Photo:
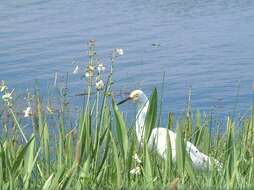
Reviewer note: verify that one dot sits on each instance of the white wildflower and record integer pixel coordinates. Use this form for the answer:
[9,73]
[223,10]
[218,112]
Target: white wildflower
[99,85]
[101,67]
[136,171]
[28,112]
[98,77]
[89,71]
[6,97]
[50,109]
[3,88]
[89,74]
[119,51]
[76,70]
[90,68]
[136,158]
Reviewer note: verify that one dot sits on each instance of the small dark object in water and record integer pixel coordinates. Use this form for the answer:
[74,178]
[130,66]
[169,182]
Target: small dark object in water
[156,45]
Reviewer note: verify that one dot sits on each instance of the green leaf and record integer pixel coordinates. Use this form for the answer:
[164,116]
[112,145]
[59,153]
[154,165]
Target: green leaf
[168,161]
[48,182]
[148,169]
[203,141]
[131,152]
[189,168]
[230,151]
[107,146]
[117,163]
[151,115]
[170,120]
[68,178]
[84,172]
[197,128]
[21,155]
[180,150]
[57,178]
[121,131]
[29,161]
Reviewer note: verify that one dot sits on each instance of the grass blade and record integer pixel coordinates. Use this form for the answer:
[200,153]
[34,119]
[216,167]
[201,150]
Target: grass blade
[121,131]
[150,119]
[180,151]
[117,163]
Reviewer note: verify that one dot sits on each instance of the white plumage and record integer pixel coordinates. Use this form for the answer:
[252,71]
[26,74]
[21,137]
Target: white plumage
[159,139]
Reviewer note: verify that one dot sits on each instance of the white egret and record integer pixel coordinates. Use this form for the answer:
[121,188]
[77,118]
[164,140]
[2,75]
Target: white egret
[158,139]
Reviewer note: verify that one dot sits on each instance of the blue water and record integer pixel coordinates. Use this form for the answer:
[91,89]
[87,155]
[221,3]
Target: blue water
[208,45]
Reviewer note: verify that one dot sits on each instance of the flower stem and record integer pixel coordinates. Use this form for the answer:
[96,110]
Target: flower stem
[17,123]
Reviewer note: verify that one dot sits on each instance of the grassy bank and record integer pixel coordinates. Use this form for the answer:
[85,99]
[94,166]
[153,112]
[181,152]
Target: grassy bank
[101,152]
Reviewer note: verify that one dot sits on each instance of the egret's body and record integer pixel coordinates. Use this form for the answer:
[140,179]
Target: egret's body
[158,140]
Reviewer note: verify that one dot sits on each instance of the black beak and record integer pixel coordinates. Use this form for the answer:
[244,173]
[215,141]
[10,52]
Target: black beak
[125,100]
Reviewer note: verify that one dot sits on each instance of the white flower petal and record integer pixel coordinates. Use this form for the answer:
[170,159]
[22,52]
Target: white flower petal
[89,74]
[101,67]
[119,51]
[99,85]
[7,97]
[28,112]
[3,88]
[135,171]
[136,158]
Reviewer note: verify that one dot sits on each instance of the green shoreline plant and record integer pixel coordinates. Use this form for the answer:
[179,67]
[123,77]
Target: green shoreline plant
[102,152]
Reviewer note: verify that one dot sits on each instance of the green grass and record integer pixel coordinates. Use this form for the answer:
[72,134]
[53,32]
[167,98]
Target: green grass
[98,151]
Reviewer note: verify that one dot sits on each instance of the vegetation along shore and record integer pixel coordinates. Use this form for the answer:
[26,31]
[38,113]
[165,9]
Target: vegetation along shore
[40,149]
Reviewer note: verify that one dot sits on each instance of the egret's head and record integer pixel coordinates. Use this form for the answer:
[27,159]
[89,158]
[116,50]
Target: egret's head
[137,96]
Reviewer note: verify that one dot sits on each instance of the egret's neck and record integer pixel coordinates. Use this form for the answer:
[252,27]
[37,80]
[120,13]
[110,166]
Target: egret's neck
[142,106]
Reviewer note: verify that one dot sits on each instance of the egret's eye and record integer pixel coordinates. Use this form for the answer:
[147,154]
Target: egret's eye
[134,94]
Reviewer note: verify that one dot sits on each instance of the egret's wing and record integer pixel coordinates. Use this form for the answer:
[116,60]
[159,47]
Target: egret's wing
[199,159]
